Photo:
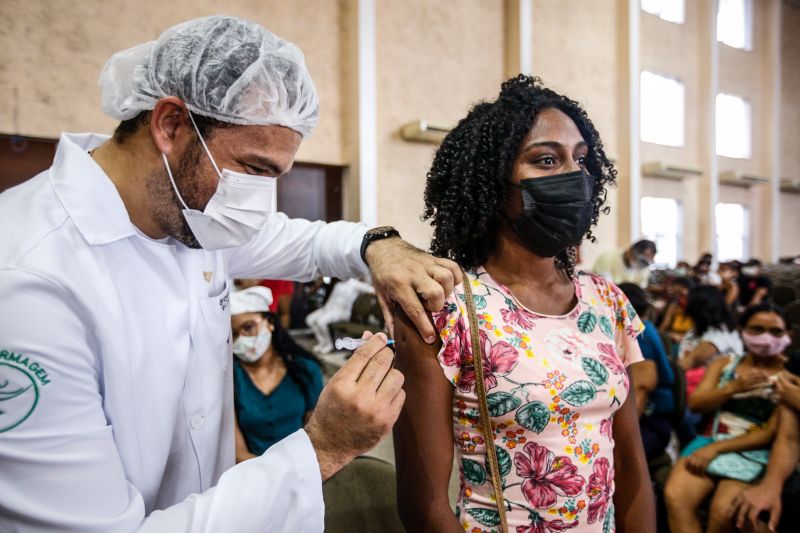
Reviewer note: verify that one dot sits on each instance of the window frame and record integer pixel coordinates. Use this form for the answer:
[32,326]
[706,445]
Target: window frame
[748,26]
[679,143]
[678,235]
[745,237]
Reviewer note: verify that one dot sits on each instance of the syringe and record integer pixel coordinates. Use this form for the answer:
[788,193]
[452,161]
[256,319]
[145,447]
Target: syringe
[349,343]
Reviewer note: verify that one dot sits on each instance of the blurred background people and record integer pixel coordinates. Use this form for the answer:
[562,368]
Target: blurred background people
[713,331]
[338,307]
[653,379]
[754,286]
[276,382]
[675,321]
[631,265]
[737,390]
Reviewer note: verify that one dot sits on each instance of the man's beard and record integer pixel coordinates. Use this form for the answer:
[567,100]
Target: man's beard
[167,207]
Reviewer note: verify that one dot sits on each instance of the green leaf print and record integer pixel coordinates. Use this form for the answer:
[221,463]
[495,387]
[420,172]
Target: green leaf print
[486,517]
[579,393]
[501,403]
[480,301]
[606,327]
[533,416]
[595,370]
[503,461]
[608,523]
[473,471]
[587,321]
[631,311]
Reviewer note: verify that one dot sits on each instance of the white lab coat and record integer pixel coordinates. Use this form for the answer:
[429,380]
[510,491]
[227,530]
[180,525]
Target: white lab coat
[115,349]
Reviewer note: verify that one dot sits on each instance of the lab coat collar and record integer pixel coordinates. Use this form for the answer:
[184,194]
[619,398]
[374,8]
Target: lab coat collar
[89,196]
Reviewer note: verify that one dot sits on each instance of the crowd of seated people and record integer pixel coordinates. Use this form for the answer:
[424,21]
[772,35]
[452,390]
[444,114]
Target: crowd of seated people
[723,335]
[717,391]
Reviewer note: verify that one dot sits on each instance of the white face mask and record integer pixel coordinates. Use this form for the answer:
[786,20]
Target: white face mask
[250,349]
[237,211]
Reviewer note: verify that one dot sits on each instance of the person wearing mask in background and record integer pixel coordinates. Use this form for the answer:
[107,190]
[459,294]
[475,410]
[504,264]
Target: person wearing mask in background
[337,308]
[513,189]
[276,383]
[703,275]
[728,273]
[682,269]
[773,504]
[675,322]
[653,379]
[631,265]
[713,331]
[738,391]
[754,287]
[123,414]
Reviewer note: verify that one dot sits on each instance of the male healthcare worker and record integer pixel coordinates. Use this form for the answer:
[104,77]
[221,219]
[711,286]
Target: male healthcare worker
[115,361]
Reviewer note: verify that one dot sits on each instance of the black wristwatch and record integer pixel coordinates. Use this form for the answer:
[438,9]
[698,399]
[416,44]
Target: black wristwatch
[376,234]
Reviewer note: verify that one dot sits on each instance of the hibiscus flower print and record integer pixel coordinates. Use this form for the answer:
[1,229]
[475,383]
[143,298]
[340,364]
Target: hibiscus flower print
[568,343]
[518,317]
[540,525]
[611,360]
[545,476]
[606,427]
[452,354]
[499,359]
[599,489]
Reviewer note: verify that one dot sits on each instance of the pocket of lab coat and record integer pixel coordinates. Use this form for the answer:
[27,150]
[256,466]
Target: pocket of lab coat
[215,329]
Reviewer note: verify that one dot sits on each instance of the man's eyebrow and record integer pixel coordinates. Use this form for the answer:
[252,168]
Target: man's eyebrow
[265,163]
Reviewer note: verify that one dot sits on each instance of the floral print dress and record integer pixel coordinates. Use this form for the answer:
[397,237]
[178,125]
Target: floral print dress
[553,385]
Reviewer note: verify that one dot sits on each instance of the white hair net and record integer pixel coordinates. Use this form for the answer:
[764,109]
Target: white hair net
[253,300]
[221,67]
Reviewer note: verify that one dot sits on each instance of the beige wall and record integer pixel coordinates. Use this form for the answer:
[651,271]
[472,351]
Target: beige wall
[790,129]
[54,51]
[433,62]
[574,58]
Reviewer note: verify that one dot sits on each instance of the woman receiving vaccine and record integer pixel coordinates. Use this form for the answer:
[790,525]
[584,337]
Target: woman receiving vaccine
[513,190]
[276,382]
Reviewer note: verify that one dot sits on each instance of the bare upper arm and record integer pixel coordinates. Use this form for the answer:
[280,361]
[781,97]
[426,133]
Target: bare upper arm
[645,374]
[423,434]
[699,354]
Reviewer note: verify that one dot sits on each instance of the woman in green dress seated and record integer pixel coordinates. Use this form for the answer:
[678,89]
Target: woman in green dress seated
[276,382]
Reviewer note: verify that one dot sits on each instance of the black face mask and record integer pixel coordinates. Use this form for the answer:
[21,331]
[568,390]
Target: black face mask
[558,212]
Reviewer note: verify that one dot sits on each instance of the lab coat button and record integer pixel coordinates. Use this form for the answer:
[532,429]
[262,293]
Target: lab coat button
[196,422]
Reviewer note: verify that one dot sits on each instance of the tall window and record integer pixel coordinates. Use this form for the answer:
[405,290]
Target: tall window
[661,223]
[733,126]
[669,10]
[662,119]
[733,232]
[735,23]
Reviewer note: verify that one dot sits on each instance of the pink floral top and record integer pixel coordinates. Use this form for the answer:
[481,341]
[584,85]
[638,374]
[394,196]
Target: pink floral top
[553,385]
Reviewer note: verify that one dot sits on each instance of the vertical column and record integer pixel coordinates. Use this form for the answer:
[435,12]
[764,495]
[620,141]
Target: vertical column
[367,114]
[629,166]
[708,185]
[519,37]
[359,110]
[771,220]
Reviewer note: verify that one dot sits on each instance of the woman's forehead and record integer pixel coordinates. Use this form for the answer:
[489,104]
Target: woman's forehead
[554,125]
[765,318]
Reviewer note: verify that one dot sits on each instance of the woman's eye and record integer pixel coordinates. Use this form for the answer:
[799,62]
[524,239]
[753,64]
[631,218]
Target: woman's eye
[581,161]
[547,160]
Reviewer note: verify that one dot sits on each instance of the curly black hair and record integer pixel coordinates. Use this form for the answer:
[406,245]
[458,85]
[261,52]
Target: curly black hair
[465,195]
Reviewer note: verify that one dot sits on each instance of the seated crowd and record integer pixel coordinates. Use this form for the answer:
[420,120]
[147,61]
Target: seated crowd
[717,392]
